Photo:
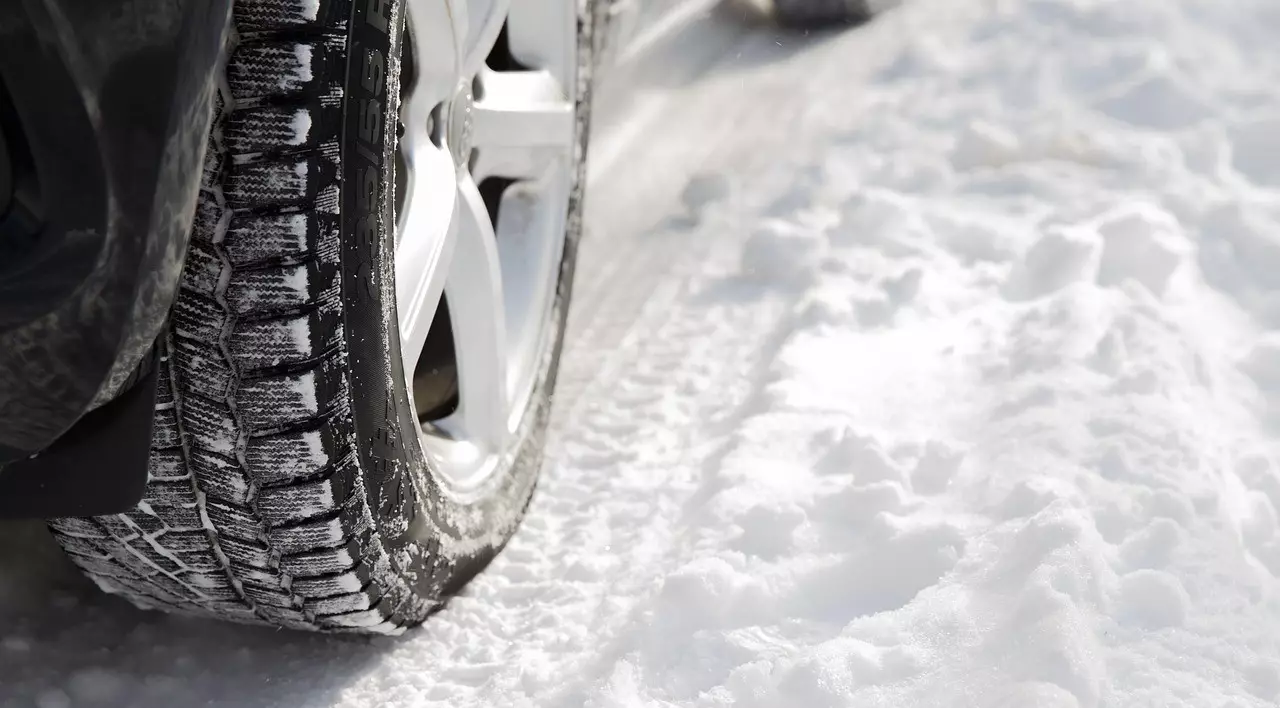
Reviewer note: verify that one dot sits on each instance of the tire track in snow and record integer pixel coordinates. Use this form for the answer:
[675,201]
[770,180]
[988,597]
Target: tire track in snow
[620,475]
[670,348]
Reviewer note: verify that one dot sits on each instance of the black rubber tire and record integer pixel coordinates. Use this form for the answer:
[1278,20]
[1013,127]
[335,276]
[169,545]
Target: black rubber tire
[814,14]
[287,487]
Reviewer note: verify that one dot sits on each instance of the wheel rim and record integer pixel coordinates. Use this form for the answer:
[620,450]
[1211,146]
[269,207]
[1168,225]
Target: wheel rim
[488,129]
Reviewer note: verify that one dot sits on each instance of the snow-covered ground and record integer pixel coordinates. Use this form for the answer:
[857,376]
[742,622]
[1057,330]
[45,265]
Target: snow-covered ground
[935,363]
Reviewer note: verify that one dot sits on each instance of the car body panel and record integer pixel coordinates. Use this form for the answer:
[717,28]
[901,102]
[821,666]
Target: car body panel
[113,99]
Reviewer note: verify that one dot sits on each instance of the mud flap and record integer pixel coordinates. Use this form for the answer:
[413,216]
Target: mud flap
[98,467]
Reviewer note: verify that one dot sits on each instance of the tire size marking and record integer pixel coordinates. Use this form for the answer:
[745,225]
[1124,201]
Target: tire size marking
[392,494]
[369,141]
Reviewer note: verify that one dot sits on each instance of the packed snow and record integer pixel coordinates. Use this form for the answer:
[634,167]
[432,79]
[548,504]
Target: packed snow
[929,363]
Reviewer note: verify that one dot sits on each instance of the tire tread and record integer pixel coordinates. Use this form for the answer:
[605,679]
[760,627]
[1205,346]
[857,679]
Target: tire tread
[254,512]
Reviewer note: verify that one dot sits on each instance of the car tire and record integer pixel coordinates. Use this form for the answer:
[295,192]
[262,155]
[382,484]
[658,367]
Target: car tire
[287,483]
[813,14]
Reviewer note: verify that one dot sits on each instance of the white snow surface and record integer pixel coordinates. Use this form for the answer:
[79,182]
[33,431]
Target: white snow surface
[933,363]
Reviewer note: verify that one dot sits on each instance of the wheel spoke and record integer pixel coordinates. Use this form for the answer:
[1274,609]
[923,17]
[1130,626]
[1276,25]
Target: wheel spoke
[474,289]
[521,122]
[435,28]
[485,21]
[545,38]
[426,233]
[530,247]
[522,109]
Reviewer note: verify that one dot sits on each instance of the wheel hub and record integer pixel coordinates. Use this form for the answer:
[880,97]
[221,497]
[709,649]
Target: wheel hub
[458,124]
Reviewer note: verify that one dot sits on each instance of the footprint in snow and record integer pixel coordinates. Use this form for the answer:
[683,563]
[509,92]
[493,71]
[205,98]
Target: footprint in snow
[1255,514]
[1262,365]
[848,452]
[881,219]
[699,195]
[1239,255]
[1263,679]
[1040,694]
[1061,257]
[1046,640]
[1151,600]
[894,564]
[981,144]
[1027,498]
[1256,150]
[768,530]
[1158,100]
[1139,242]
[824,678]
[897,292]
[1168,504]
[782,254]
[936,468]
[1152,547]
[1142,243]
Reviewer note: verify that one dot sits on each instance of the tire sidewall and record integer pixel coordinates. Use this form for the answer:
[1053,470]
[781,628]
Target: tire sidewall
[433,538]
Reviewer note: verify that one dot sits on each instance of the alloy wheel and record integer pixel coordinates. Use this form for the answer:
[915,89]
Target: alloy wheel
[485,167]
